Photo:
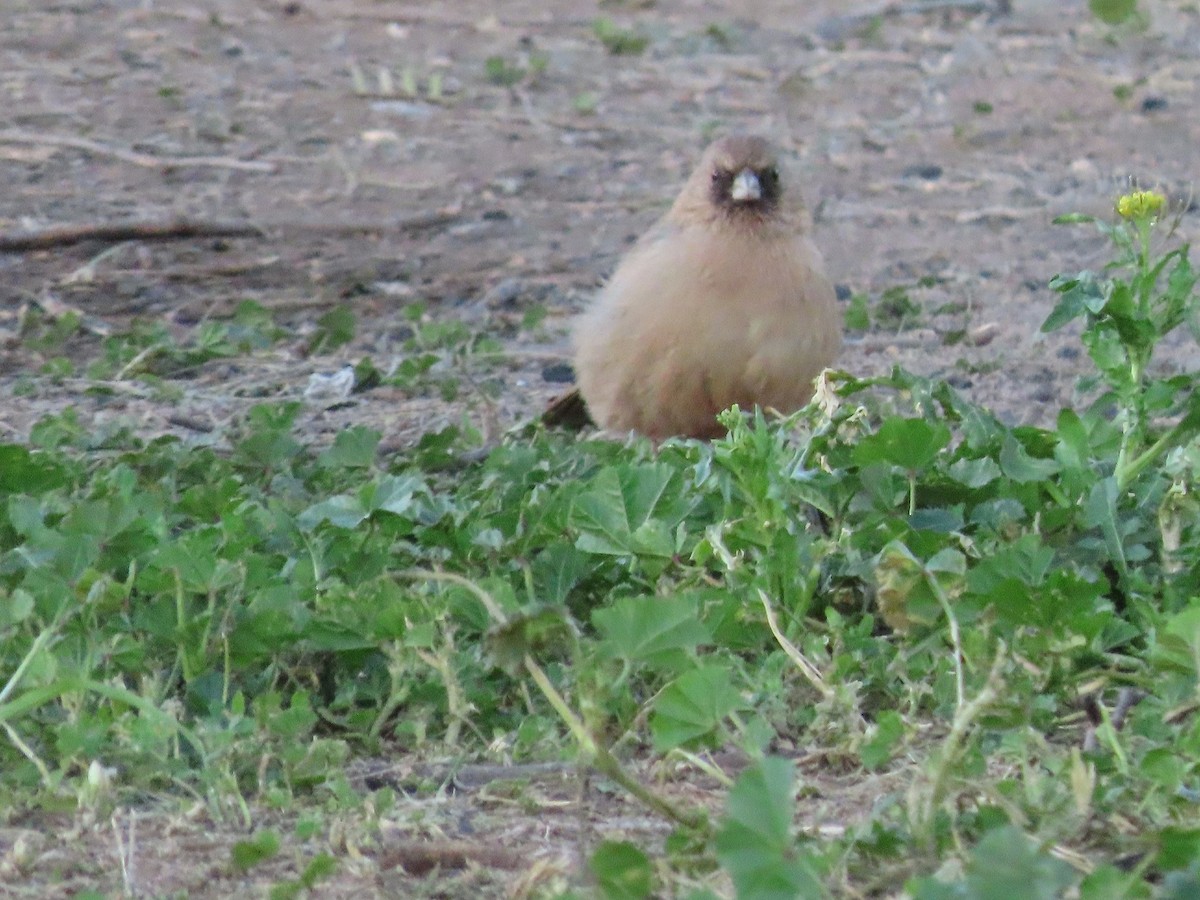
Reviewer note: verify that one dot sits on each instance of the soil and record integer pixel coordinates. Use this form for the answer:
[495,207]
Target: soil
[935,142]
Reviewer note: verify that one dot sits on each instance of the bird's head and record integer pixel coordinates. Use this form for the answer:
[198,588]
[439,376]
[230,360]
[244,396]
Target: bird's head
[737,181]
[743,175]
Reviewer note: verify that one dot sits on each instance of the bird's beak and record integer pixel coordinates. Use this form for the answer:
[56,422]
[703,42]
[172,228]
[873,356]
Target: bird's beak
[746,187]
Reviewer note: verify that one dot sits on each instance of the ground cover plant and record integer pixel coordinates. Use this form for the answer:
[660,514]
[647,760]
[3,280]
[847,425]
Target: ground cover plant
[891,581]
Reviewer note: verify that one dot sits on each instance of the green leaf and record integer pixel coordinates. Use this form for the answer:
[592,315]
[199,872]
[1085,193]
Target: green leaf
[1018,465]
[341,512]
[1006,864]
[1109,883]
[1112,12]
[1178,848]
[268,443]
[754,843]
[975,473]
[261,847]
[692,706]
[17,607]
[1003,865]
[629,510]
[26,472]
[499,71]
[353,448]
[295,724]
[319,867]
[1178,644]
[878,748]
[400,495]
[1179,302]
[1073,448]
[1100,511]
[947,561]
[1109,353]
[650,629]
[1164,767]
[911,444]
[334,329]
[622,871]
[1026,559]
[939,519]
[556,571]
[858,316]
[619,41]
[1080,295]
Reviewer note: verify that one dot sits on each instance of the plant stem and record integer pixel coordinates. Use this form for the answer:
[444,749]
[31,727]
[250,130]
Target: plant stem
[43,638]
[595,754]
[955,638]
[923,808]
[1127,470]
[602,760]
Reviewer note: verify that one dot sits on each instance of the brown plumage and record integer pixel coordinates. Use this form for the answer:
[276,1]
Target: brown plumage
[723,301]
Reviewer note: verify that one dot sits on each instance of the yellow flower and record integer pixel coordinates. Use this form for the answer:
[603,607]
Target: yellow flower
[1140,204]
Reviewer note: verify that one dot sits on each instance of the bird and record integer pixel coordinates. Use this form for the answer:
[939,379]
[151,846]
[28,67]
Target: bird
[723,301]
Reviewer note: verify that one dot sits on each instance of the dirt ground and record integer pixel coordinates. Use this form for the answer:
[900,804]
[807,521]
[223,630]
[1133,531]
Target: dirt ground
[935,142]
[934,147]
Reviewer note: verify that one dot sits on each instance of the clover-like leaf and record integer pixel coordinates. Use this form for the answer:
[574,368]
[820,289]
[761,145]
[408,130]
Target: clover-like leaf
[693,706]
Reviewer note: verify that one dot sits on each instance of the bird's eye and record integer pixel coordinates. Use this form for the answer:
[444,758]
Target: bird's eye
[771,174]
[718,174]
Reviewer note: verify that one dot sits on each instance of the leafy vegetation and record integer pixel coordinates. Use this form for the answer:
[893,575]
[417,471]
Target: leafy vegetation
[1113,12]
[506,73]
[892,580]
[619,41]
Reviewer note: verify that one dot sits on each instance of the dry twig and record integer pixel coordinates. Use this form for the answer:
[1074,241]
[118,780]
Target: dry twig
[147,160]
[163,230]
[175,229]
[419,858]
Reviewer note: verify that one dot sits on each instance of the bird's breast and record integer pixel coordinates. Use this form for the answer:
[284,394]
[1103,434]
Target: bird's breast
[756,277]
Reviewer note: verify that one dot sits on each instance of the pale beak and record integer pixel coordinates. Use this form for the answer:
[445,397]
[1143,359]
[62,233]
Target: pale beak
[746,187]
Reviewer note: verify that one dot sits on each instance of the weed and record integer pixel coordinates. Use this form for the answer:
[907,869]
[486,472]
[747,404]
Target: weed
[503,72]
[585,103]
[858,315]
[619,41]
[1113,12]
[896,310]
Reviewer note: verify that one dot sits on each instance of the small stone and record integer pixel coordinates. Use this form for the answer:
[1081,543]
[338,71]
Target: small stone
[322,388]
[843,291]
[926,171]
[983,335]
[507,186]
[405,109]
[504,294]
[1084,168]
[559,373]
[1154,104]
